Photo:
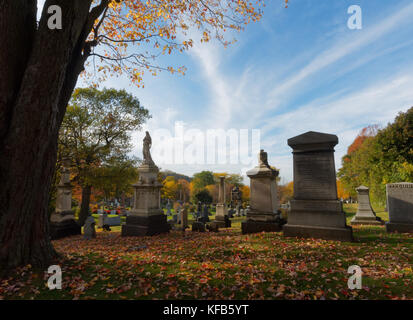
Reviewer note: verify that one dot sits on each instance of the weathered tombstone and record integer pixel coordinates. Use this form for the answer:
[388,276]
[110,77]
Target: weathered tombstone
[89,228]
[316,211]
[242,212]
[205,214]
[212,227]
[184,218]
[103,220]
[221,216]
[264,214]
[198,209]
[198,226]
[400,206]
[168,208]
[62,221]
[365,214]
[146,217]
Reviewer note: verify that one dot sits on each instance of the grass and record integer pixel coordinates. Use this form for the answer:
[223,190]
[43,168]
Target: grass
[224,265]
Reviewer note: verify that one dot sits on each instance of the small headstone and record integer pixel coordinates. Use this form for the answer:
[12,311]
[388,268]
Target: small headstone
[168,208]
[212,227]
[89,228]
[205,214]
[400,205]
[198,226]
[198,209]
[184,218]
[365,214]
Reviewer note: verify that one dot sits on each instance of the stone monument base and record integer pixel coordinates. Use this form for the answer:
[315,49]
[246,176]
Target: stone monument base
[374,221]
[326,233]
[222,222]
[399,227]
[251,226]
[145,226]
[64,229]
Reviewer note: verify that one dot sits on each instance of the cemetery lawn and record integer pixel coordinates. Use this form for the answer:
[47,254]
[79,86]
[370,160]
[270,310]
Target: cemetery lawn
[224,265]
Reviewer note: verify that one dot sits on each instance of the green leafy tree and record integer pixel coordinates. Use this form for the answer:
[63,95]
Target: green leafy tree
[115,177]
[203,196]
[201,180]
[96,133]
[386,157]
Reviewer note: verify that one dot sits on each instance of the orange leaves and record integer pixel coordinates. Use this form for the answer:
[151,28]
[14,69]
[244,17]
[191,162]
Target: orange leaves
[133,33]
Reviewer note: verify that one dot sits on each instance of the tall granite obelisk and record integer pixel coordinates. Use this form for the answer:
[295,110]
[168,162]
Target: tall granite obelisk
[146,217]
[316,211]
[221,216]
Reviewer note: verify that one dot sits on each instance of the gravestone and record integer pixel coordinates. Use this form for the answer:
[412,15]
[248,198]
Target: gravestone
[221,216]
[264,214]
[316,211]
[365,214]
[89,228]
[198,226]
[400,206]
[146,217]
[184,218]
[168,208]
[205,214]
[62,221]
[103,220]
[198,209]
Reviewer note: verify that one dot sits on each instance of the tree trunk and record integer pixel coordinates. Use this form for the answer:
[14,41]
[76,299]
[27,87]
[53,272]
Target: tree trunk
[84,207]
[31,111]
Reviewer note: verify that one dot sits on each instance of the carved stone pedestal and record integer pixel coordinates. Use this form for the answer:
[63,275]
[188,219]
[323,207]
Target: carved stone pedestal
[62,221]
[264,213]
[365,214]
[221,215]
[146,217]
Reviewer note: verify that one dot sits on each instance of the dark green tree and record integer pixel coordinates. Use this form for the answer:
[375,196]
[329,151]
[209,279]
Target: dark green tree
[96,135]
[203,196]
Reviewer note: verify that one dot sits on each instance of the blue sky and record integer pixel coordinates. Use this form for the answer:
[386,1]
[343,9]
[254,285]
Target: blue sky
[298,69]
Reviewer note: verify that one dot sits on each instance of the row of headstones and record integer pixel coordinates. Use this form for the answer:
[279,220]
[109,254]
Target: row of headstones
[315,211]
[399,206]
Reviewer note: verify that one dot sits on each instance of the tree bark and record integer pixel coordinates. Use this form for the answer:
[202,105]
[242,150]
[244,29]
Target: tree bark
[84,207]
[31,111]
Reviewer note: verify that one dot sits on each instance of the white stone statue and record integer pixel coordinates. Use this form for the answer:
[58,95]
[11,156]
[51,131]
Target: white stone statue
[147,143]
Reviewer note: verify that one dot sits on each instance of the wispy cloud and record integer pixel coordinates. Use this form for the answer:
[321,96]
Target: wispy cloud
[340,50]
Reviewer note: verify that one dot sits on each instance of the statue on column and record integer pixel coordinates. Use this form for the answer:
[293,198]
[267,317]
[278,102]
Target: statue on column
[147,144]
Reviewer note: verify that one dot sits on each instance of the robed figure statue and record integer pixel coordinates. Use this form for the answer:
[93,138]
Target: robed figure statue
[147,143]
